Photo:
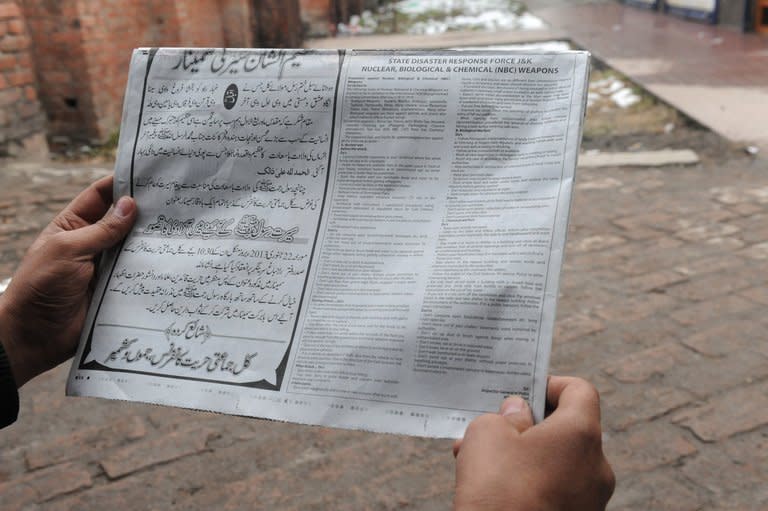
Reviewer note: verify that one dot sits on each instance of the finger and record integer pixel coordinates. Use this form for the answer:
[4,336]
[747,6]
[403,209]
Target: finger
[105,233]
[93,202]
[570,397]
[517,413]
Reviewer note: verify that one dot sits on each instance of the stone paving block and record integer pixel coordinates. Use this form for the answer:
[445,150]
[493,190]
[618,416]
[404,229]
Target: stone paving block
[575,327]
[634,308]
[718,473]
[757,294]
[163,449]
[659,490]
[706,312]
[749,447]
[644,448]
[123,495]
[641,366]
[737,411]
[731,195]
[632,404]
[713,285]
[704,232]
[44,485]
[752,236]
[595,243]
[656,220]
[726,243]
[746,209]
[758,251]
[705,376]
[723,339]
[671,254]
[709,264]
[655,281]
[83,442]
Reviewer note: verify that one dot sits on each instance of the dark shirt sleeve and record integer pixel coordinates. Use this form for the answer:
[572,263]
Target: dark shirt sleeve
[9,396]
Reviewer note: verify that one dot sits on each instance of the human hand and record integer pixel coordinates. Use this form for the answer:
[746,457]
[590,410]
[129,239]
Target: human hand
[43,310]
[506,463]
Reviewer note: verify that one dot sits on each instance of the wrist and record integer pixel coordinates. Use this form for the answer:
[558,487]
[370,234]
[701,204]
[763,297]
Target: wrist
[18,360]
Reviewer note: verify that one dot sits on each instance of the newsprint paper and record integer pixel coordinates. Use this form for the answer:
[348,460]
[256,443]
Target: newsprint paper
[358,239]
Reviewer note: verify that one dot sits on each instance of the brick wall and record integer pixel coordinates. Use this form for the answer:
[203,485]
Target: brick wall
[73,54]
[21,117]
[82,49]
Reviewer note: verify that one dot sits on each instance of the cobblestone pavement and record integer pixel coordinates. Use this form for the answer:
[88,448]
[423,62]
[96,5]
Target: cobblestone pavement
[663,307]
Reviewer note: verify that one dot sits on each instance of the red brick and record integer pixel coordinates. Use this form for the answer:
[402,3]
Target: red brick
[14,43]
[153,452]
[740,410]
[7,62]
[80,443]
[19,78]
[9,10]
[16,27]
[9,96]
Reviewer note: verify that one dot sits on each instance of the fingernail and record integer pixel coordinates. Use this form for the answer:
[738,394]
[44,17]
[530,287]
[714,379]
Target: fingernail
[512,405]
[123,207]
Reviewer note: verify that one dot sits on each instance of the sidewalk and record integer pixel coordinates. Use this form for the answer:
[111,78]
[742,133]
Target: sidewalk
[715,75]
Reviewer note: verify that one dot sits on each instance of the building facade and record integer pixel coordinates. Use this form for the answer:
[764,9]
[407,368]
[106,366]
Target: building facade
[64,63]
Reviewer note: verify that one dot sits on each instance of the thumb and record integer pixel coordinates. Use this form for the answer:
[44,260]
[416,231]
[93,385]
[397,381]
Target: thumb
[107,232]
[517,412]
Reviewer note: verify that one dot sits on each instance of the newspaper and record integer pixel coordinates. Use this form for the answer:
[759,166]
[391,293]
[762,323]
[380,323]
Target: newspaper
[358,239]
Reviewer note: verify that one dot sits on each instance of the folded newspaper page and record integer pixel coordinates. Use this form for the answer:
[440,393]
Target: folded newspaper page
[358,239]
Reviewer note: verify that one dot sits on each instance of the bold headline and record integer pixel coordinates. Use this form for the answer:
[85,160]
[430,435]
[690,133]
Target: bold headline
[469,64]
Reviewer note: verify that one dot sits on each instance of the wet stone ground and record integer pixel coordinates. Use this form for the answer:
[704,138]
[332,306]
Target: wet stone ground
[662,306]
